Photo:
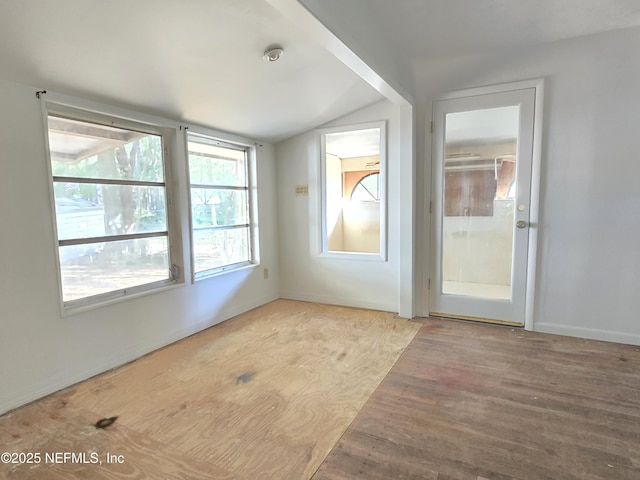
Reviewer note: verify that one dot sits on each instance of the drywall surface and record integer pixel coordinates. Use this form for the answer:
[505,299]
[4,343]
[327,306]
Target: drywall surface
[588,254]
[40,350]
[478,249]
[304,273]
[359,30]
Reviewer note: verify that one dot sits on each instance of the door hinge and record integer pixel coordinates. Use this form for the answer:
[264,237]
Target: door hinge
[429,284]
[430,206]
[431,127]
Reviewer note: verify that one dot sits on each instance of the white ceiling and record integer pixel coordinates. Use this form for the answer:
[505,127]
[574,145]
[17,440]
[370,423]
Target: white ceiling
[432,29]
[196,60]
[201,60]
[486,126]
[356,143]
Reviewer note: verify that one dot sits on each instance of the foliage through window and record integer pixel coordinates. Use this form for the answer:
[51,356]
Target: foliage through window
[220,217]
[110,207]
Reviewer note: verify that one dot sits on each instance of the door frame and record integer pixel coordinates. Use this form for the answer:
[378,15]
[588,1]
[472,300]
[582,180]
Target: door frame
[534,208]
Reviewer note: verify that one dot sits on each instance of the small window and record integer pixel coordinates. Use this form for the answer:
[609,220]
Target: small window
[353,167]
[110,195]
[220,213]
[367,189]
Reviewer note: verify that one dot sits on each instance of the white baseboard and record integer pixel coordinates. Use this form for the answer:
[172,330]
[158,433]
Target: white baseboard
[19,398]
[590,333]
[341,301]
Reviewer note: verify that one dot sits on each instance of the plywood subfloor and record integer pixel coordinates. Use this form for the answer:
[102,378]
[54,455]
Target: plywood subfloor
[471,402]
[263,396]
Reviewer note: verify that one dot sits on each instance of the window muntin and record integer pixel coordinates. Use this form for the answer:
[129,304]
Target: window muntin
[220,213]
[367,189]
[110,207]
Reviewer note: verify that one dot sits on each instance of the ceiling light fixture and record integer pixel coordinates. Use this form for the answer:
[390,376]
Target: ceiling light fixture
[272,54]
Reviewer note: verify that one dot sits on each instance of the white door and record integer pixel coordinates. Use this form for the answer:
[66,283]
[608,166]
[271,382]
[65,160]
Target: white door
[483,147]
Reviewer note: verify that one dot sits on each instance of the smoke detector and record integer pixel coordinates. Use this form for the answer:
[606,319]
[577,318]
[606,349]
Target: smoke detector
[273,54]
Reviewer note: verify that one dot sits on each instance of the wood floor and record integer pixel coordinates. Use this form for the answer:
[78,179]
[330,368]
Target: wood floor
[265,395]
[281,393]
[469,401]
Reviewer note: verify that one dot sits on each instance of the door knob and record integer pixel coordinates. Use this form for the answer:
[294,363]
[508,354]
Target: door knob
[521,224]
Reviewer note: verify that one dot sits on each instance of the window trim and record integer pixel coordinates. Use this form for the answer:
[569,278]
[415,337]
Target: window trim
[94,112]
[237,143]
[321,234]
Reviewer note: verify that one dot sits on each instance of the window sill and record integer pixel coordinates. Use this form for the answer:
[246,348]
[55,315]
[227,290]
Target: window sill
[367,257]
[240,267]
[69,310]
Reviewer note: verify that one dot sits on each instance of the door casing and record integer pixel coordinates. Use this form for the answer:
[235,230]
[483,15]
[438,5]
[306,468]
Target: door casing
[533,208]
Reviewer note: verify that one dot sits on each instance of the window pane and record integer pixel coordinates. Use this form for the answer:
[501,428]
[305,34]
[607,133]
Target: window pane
[218,207]
[352,217]
[215,165]
[367,189]
[97,268]
[90,150]
[218,248]
[477,223]
[215,168]
[86,210]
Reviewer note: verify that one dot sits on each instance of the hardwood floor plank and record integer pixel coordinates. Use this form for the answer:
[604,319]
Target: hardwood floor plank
[270,394]
[474,401]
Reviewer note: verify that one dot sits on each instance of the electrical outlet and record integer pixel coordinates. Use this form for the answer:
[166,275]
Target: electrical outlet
[265,273]
[302,190]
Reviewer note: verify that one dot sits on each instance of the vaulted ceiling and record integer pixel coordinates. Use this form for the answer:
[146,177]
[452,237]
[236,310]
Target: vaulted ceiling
[196,60]
[432,29]
[201,60]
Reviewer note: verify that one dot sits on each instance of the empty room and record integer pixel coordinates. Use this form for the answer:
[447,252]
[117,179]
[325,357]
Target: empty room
[320,239]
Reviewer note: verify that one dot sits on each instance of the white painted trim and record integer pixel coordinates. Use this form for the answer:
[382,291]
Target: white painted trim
[357,256]
[407,279]
[384,206]
[221,135]
[534,211]
[252,191]
[19,398]
[590,333]
[534,198]
[52,199]
[534,204]
[87,110]
[103,109]
[489,89]
[426,243]
[341,301]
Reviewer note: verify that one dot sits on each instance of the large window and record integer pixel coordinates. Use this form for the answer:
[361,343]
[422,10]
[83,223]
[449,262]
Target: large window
[220,213]
[109,187]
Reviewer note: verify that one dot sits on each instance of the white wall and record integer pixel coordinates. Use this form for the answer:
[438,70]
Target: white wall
[41,352]
[478,249]
[358,29]
[304,275]
[589,254]
[361,225]
[335,222]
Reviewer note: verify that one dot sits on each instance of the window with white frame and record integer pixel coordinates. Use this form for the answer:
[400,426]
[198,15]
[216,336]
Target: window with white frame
[110,202]
[220,206]
[353,191]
